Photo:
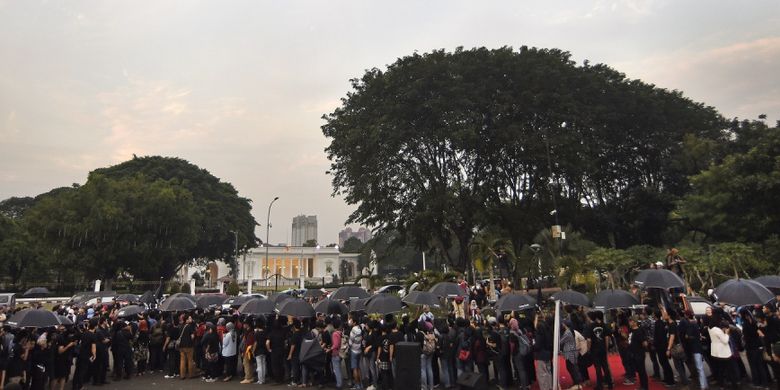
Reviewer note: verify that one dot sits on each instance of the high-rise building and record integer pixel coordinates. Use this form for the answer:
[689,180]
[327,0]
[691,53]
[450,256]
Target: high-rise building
[361,234]
[304,228]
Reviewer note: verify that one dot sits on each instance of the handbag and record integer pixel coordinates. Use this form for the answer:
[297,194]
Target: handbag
[677,352]
[178,341]
[212,357]
[464,355]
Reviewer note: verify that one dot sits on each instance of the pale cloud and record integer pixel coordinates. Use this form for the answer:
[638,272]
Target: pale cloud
[735,77]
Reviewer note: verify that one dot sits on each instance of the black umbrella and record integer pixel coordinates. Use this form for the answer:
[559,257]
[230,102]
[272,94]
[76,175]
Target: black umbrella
[242,299]
[185,295]
[358,304]
[448,289]
[37,292]
[209,300]
[180,303]
[514,302]
[422,298]
[383,304]
[314,293]
[349,292]
[64,320]
[330,306]
[127,298]
[279,298]
[772,282]
[130,311]
[658,278]
[311,353]
[148,298]
[296,308]
[614,299]
[34,318]
[741,292]
[572,297]
[257,306]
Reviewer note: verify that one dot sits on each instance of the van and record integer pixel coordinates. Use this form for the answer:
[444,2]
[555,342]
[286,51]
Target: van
[8,301]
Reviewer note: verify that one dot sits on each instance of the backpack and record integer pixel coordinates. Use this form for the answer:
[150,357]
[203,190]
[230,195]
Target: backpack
[581,342]
[523,345]
[344,346]
[429,344]
[464,349]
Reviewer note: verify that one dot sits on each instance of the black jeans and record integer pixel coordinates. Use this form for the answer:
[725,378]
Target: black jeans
[758,371]
[155,358]
[638,362]
[726,371]
[666,367]
[603,374]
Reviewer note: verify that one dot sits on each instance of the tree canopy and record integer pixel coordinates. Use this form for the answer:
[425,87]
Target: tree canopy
[145,217]
[443,144]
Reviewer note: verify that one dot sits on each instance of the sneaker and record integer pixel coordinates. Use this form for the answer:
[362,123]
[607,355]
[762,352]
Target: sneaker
[169,376]
[628,382]
[259,383]
[245,382]
[211,380]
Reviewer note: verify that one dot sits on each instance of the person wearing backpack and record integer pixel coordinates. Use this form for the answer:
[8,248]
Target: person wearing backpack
[427,340]
[568,345]
[447,343]
[464,358]
[522,349]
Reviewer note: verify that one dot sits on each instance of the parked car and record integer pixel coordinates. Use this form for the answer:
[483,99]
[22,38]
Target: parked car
[8,301]
[392,289]
[91,297]
[698,305]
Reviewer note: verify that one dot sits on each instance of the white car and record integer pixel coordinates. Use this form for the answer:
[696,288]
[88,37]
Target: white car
[392,289]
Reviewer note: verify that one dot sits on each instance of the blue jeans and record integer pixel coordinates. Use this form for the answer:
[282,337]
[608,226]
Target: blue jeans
[446,375]
[698,360]
[260,360]
[336,363]
[426,371]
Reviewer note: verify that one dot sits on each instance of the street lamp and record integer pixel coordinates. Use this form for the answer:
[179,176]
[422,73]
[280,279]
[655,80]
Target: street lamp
[267,231]
[536,248]
[235,234]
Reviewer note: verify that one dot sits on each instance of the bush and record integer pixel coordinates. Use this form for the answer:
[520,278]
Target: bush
[233,289]
[185,288]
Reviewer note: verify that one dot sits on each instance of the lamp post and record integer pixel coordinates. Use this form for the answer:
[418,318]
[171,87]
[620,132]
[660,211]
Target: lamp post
[235,234]
[267,232]
[536,248]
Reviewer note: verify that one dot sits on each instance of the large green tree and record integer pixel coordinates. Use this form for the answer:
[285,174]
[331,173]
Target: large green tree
[736,199]
[443,144]
[145,217]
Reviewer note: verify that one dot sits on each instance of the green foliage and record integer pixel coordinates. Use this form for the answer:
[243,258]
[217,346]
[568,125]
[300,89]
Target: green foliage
[147,217]
[15,208]
[185,288]
[233,289]
[310,243]
[736,200]
[352,245]
[20,257]
[443,144]
[614,263]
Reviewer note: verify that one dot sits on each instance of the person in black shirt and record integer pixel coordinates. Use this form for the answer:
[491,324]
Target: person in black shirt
[293,356]
[637,346]
[120,346]
[87,355]
[63,345]
[384,358]
[211,351]
[277,340]
[169,348]
[661,342]
[102,341]
[598,334]
[673,335]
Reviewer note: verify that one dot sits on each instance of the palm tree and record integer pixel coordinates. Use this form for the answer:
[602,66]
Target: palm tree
[486,247]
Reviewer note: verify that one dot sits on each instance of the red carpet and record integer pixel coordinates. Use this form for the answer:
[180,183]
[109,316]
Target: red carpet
[618,375]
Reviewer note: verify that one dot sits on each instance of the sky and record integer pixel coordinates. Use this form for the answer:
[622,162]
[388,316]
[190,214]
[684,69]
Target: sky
[239,87]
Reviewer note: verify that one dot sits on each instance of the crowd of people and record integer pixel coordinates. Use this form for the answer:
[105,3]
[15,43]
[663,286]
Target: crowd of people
[360,351]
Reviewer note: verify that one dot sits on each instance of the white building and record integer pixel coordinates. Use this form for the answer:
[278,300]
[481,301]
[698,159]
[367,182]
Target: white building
[314,265]
[304,228]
